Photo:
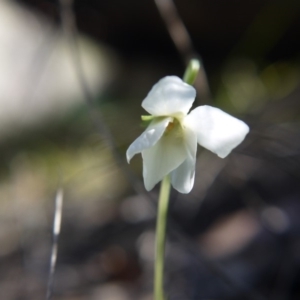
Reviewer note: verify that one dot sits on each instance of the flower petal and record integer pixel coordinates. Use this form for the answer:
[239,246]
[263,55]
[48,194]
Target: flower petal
[216,130]
[169,96]
[149,137]
[183,177]
[165,156]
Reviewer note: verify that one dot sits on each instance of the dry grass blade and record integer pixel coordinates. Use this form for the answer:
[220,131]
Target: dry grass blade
[55,236]
[183,43]
[176,29]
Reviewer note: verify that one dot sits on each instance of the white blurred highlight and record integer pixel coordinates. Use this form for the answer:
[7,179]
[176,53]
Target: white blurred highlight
[37,76]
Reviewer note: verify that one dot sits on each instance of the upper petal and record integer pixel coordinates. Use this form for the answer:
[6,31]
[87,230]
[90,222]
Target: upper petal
[161,159]
[183,177]
[169,96]
[149,137]
[216,130]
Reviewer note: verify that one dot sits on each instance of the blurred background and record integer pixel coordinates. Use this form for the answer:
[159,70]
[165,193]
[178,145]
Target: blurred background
[72,79]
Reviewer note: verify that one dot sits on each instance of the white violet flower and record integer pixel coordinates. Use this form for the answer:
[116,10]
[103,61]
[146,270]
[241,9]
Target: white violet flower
[169,144]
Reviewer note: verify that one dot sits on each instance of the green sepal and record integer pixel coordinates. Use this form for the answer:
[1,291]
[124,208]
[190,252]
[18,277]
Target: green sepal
[147,118]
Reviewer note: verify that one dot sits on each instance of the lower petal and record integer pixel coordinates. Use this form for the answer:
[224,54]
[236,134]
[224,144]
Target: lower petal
[161,159]
[183,177]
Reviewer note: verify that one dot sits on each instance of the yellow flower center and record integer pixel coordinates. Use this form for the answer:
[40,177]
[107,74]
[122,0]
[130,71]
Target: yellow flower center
[170,126]
[174,130]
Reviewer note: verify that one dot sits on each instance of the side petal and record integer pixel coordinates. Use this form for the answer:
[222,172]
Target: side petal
[161,159]
[183,177]
[216,130]
[148,138]
[169,96]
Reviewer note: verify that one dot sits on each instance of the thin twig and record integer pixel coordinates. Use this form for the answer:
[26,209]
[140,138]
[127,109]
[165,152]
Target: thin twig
[183,43]
[176,29]
[55,236]
[70,31]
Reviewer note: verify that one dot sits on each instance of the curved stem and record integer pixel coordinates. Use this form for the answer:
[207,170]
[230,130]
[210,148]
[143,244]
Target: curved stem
[160,237]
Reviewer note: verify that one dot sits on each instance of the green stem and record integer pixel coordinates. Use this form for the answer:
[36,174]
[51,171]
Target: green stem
[163,202]
[160,236]
[191,71]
